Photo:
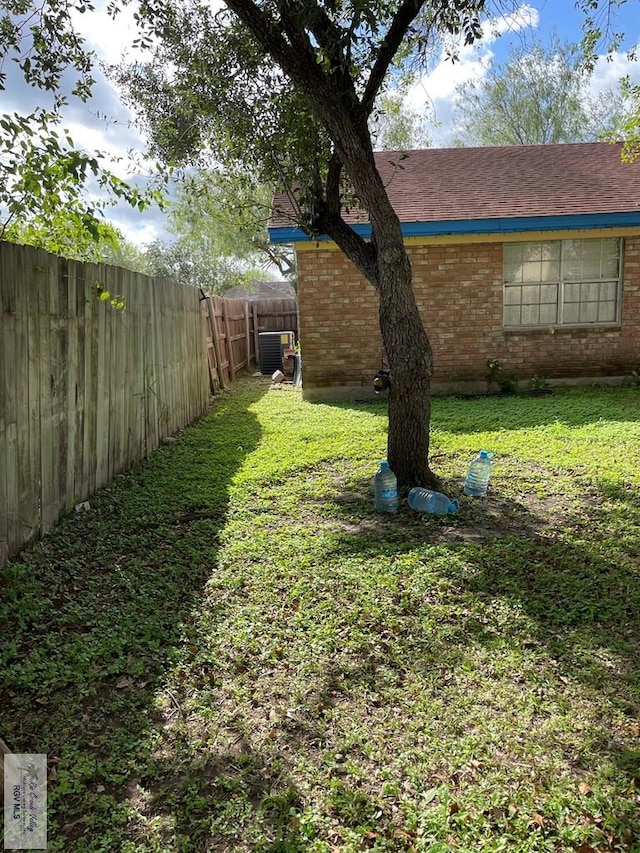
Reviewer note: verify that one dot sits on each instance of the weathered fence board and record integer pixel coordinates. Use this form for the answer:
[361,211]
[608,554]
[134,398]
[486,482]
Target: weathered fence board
[85,390]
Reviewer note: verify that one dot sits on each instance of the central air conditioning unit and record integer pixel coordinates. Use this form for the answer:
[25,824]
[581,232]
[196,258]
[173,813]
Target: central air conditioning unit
[271,346]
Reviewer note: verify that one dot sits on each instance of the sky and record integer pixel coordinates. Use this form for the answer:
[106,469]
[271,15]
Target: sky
[536,20]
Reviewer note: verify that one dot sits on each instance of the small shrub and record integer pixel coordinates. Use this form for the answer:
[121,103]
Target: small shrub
[538,383]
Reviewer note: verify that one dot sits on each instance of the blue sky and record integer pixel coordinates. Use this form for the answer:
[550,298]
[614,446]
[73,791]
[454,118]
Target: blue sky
[534,21]
[111,39]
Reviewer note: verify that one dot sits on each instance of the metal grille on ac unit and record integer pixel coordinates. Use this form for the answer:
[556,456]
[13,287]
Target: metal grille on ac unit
[270,348]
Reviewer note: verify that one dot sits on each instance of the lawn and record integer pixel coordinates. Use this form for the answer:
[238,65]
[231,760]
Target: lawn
[231,651]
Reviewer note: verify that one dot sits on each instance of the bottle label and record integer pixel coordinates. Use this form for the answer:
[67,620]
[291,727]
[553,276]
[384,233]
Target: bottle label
[389,494]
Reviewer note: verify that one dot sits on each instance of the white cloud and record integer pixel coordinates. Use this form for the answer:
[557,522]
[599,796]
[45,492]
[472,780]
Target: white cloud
[608,72]
[114,141]
[440,84]
[436,89]
[142,232]
[110,37]
[105,124]
[524,17]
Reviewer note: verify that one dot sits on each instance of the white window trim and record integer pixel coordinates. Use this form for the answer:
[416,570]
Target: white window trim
[561,285]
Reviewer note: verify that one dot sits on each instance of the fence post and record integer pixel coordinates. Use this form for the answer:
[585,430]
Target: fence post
[227,331]
[246,325]
[212,362]
[216,342]
[256,330]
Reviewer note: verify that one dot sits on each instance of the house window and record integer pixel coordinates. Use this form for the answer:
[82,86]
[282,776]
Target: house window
[559,282]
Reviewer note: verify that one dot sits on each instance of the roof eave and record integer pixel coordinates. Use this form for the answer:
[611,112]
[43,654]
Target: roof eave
[499,225]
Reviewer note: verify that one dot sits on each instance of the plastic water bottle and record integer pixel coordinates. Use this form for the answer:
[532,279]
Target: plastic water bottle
[424,500]
[385,489]
[478,475]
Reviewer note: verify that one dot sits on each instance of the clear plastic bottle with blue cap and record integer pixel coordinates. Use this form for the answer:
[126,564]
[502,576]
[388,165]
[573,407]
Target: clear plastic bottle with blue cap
[385,489]
[425,500]
[478,475]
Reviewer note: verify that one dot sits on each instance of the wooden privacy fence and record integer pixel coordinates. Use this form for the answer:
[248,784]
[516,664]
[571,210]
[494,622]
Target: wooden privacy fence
[85,389]
[233,326]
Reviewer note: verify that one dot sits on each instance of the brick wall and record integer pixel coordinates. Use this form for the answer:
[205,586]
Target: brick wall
[339,329]
[459,293]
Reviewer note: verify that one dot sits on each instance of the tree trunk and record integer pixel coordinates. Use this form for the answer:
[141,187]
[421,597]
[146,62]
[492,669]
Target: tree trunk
[411,365]
[333,97]
[386,264]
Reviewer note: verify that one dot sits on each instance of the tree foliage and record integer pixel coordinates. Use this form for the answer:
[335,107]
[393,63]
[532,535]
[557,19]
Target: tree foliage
[600,29]
[224,217]
[68,234]
[602,35]
[192,264]
[41,169]
[43,42]
[126,254]
[539,96]
[396,126]
[219,223]
[212,92]
[286,92]
[629,127]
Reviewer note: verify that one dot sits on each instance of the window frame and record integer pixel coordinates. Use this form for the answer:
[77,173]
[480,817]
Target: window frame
[560,284]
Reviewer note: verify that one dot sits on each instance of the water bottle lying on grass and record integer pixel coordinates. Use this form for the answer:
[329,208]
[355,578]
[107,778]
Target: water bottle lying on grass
[424,500]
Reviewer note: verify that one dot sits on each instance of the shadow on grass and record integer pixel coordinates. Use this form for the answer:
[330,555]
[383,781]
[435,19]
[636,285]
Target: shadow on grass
[95,617]
[189,793]
[500,578]
[102,667]
[577,588]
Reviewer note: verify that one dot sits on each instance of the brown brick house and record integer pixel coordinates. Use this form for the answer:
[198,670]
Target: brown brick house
[525,254]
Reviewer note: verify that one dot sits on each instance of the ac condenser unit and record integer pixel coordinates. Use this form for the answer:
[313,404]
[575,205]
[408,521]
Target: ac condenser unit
[270,348]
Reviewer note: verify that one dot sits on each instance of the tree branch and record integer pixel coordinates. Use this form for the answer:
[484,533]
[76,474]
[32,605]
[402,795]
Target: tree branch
[332,190]
[337,44]
[361,252]
[296,58]
[403,19]
[296,34]
[324,29]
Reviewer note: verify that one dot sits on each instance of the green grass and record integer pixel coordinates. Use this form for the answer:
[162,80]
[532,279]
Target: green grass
[231,651]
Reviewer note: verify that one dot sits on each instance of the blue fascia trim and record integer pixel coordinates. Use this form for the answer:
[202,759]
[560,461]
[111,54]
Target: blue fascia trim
[502,225]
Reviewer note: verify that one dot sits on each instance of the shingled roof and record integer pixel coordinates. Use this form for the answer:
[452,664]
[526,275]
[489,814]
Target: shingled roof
[446,185]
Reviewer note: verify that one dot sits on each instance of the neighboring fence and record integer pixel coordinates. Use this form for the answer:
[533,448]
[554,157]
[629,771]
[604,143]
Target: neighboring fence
[233,326]
[85,390]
